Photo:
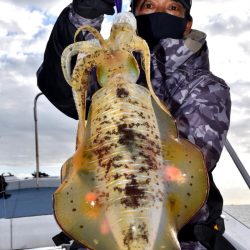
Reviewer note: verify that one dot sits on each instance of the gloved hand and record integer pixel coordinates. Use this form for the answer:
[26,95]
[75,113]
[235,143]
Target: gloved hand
[93,8]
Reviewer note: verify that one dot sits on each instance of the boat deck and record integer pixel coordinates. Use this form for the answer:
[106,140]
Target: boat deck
[27,221]
[27,202]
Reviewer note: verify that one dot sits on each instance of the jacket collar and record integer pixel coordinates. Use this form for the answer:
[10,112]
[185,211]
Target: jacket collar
[174,53]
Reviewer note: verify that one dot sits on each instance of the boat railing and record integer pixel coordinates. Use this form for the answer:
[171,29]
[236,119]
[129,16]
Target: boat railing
[36,138]
[238,163]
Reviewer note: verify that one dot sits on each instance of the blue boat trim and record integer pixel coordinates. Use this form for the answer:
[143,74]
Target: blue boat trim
[27,202]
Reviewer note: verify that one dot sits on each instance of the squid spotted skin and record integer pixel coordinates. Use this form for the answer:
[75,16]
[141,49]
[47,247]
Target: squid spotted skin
[132,183]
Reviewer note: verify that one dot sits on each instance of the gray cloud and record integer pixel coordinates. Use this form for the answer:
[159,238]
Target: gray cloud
[56,131]
[241,90]
[17,67]
[240,129]
[245,46]
[239,135]
[12,27]
[219,25]
[17,91]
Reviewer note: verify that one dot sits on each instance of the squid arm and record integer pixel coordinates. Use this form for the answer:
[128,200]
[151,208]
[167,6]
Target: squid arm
[84,47]
[79,83]
[140,45]
[94,32]
[79,78]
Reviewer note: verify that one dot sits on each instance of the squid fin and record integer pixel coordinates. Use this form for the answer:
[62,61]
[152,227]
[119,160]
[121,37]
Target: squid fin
[82,218]
[186,180]
[184,171]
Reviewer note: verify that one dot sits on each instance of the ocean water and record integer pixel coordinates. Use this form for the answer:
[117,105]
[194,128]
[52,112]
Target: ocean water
[239,212]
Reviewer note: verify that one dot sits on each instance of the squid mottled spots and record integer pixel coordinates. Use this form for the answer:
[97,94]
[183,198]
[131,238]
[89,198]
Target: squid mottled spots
[118,189]
[134,102]
[146,124]
[133,193]
[117,176]
[128,237]
[111,163]
[105,122]
[134,234]
[101,151]
[134,157]
[126,136]
[74,209]
[122,92]
[150,161]
[141,115]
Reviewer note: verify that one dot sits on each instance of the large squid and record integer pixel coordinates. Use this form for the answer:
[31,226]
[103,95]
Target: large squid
[132,183]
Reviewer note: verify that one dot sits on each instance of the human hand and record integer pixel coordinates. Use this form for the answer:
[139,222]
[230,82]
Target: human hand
[93,8]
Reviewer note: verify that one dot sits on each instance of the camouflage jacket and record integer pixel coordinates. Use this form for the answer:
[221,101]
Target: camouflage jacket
[198,100]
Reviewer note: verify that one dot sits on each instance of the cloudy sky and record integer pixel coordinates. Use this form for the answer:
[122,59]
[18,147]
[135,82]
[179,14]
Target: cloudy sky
[24,29]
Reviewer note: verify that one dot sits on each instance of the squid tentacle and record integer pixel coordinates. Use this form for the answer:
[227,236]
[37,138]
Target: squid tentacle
[79,82]
[83,47]
[94,32]
[141,46]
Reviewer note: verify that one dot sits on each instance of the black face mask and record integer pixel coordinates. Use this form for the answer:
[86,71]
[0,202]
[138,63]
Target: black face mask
[156,26]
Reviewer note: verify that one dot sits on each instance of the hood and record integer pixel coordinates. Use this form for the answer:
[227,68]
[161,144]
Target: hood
[190,52]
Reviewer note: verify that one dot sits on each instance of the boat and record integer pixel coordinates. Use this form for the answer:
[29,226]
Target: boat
[26,216]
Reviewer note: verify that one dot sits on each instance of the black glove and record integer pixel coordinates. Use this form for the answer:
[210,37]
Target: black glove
[93,8]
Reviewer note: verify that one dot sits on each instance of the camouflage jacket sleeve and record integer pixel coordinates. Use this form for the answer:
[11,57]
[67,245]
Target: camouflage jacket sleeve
[50,78]
[203,118]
